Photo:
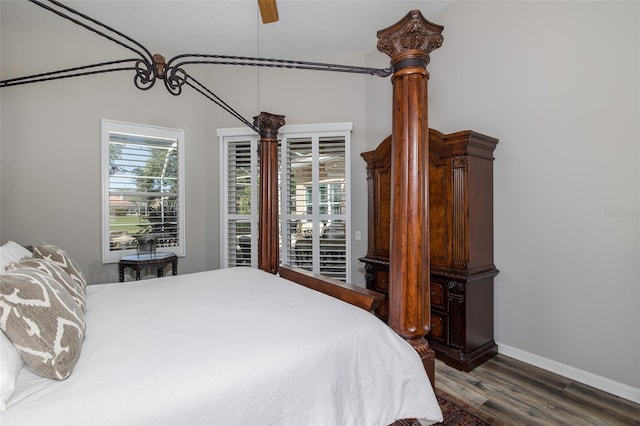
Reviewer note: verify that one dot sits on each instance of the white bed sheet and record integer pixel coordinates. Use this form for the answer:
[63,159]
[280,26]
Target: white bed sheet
[230,347]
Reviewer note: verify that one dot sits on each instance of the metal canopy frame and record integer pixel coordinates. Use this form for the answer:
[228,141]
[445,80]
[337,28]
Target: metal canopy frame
[149,68]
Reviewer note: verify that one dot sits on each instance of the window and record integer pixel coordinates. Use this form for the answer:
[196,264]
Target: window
[143,189]
[314,198]
[240,200]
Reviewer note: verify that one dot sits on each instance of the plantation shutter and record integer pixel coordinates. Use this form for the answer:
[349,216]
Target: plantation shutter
[298,204]
[315,209]
[332,205]
[240,202]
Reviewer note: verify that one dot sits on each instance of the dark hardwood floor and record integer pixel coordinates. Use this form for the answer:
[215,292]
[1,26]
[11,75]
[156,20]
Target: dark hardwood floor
[520,394]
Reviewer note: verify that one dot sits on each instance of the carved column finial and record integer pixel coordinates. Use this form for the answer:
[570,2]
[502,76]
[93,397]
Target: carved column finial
[268,241]
[412,36]
[269,124]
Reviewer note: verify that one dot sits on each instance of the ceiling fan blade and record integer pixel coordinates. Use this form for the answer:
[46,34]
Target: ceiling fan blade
[268,11]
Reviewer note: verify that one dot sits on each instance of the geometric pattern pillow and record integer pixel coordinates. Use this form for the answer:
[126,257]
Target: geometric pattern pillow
[42,321]
[59,256]
[56,272]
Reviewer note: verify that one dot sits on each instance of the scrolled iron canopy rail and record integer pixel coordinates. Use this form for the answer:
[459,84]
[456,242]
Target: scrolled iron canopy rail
[150,68]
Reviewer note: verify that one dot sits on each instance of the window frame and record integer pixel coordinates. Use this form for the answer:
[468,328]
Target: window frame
[235,135]
[108,126]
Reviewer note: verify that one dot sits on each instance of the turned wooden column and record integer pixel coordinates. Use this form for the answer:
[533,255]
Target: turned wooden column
[268,242]
[409,43]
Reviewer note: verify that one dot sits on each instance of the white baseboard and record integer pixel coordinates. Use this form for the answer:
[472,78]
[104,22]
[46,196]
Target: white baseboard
[607,385]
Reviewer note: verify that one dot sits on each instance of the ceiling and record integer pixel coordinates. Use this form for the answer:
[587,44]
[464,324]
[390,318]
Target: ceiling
[307,29]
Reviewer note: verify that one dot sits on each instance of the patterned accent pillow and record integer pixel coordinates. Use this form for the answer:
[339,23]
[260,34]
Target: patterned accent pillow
[59,256]
[56,272]
[42,321]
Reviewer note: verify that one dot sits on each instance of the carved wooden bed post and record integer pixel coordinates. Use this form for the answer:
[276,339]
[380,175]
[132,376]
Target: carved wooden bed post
[268,257]
[409,43]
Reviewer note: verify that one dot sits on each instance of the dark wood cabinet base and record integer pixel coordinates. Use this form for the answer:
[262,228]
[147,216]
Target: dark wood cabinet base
[464,361]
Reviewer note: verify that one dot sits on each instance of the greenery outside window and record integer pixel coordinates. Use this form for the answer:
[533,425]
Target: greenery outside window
[143,189]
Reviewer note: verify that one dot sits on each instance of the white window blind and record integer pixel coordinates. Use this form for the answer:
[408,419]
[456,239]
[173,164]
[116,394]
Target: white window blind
[315,211]
[240,201]
[314,195]
[143,189]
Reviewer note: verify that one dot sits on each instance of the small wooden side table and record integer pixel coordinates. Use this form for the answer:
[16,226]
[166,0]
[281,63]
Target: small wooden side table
[158,260]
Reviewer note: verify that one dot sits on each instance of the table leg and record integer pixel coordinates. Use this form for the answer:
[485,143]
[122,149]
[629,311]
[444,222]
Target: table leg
[174,267]
[121,273]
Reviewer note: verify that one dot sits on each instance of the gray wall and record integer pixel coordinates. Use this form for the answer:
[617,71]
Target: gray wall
[559,84]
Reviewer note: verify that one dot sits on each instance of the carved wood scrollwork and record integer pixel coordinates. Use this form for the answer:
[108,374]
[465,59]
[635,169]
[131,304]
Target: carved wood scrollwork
[269,124]
[459,162]
[455,288]
[369,272]
[411,32]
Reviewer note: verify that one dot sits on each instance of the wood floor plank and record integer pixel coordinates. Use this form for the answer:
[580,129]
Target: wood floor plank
[520,394]
[610,408]
[528,387]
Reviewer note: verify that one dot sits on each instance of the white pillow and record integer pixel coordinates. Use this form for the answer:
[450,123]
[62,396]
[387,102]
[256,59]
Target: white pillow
[10,365]
[11,252]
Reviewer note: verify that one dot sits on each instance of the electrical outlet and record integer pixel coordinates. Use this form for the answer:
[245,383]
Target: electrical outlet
[358,236]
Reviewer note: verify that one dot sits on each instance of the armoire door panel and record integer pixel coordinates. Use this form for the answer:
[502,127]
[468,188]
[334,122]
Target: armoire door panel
[439,214]
[383,213]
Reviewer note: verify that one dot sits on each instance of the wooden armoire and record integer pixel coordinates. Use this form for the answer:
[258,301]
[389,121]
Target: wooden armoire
[461,242]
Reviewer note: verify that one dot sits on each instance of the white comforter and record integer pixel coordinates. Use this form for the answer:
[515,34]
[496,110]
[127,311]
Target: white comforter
[228,347]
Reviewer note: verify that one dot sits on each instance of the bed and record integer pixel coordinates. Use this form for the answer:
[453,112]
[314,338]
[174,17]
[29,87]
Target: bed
[177,350]
[270,346]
